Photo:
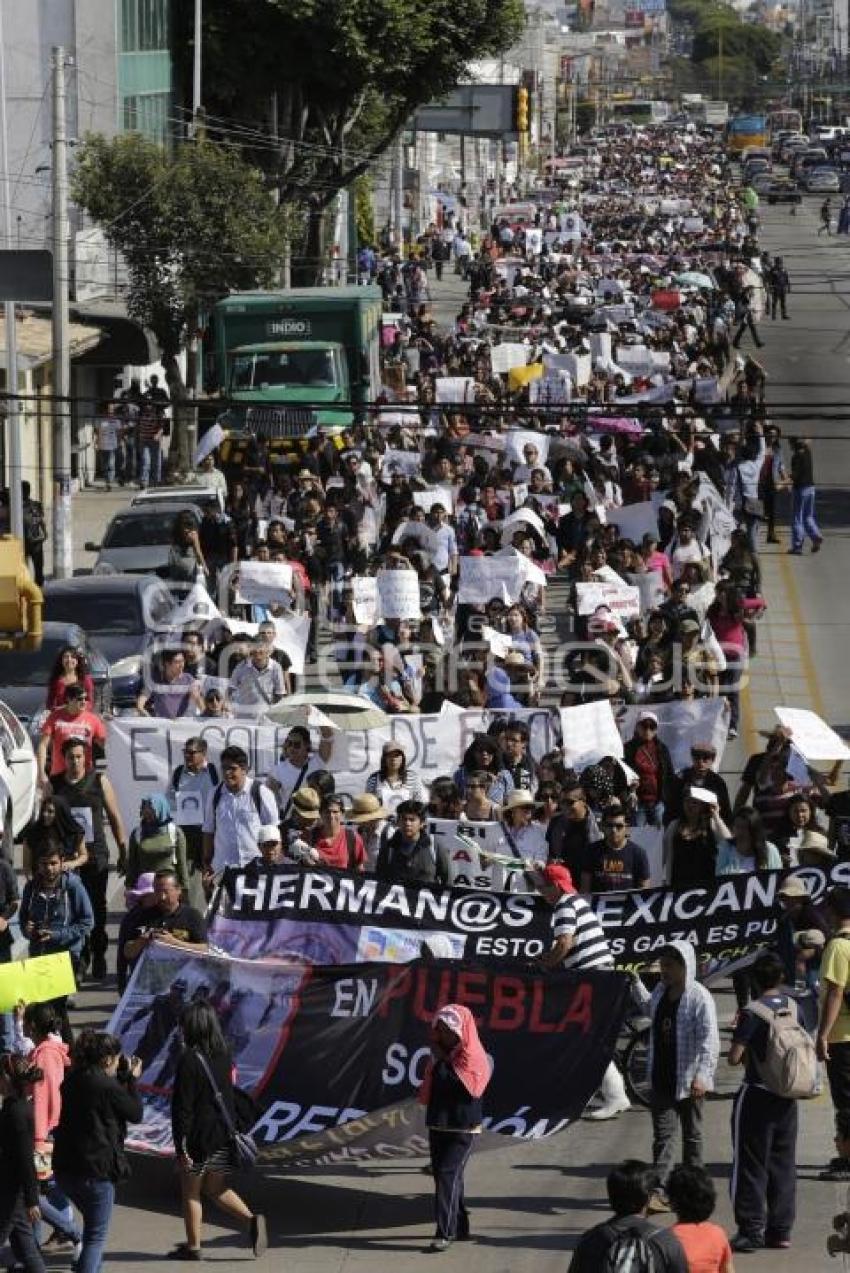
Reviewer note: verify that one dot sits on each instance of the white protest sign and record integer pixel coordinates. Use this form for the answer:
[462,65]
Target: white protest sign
[508,355]
[533,240]
[551,390]
[600,345]
[633,357]
[189,808]
[463,844]
[197,607]
[516,440]
[435,495]
[293,633]
[650,585]
[699,599]
[589,732]
[448,389]
[523,516]
[483,578]
[408,463]
[812,737]
[620,599]
[499,642]
[364,597]
[213,437]
[682,723]
[635,520]
[398,594]
[580,368]
[263,581]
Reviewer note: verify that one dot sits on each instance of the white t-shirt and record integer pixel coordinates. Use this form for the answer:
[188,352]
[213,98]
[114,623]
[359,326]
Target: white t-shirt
[108,433]
[286,774]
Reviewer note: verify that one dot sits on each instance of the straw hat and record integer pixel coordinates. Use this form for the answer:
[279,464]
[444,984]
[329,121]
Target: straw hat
[306,803]
[519,800]
[817,843]
[367,808]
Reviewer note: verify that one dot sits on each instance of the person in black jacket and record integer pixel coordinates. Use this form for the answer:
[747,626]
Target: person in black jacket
[18,1182]
[99,1099]
[410,856]
[452,1089]
[202,1139]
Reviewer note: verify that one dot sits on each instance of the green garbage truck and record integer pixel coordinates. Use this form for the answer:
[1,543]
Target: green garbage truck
[290,361]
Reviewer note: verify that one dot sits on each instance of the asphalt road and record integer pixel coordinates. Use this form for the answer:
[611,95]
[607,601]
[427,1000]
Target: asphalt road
[529,1204]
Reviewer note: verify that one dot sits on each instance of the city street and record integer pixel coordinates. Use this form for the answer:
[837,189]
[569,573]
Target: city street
[529,1204]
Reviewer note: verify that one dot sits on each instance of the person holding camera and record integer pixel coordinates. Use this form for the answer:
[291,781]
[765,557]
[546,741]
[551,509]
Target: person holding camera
[99,1099]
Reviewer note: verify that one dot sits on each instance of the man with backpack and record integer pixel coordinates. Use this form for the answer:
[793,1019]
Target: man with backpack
[629,1240]
[780,1067]
[236,809]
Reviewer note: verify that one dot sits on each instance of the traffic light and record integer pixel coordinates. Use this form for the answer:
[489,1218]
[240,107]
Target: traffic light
[521,110]
[21,600]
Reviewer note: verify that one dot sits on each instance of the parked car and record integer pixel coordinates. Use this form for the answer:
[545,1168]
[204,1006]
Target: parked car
[18,779]
[199,495]
[823,181]
[783,190]
[122,614]
[138,539]
[762,182]
[24,674]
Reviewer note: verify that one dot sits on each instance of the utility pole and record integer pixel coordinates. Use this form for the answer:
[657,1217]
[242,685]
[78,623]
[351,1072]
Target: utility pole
[13,405]
[720,62]
[63,548]
[196,65]
[399,193]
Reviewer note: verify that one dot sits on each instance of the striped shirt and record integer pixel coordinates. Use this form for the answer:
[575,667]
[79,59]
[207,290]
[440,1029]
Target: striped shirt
[574,918]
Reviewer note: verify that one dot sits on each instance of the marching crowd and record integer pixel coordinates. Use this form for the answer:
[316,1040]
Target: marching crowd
[586,429]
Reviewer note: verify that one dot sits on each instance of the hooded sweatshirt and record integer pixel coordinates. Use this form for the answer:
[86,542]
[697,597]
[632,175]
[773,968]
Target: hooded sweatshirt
[697,1037]
[51,1057]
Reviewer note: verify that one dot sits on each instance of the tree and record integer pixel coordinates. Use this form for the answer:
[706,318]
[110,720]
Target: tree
[191,225]
[346,75]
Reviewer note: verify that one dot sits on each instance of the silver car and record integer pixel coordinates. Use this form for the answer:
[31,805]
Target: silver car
[138,539]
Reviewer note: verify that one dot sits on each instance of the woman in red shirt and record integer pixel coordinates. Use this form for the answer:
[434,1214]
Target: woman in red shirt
[333,844]
[70,668]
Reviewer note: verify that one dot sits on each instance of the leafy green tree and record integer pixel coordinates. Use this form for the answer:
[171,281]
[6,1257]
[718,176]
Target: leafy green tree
[345,77]
[191,225]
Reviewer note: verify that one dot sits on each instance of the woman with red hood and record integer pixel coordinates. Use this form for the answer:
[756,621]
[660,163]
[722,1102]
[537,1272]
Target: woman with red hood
[454,1083]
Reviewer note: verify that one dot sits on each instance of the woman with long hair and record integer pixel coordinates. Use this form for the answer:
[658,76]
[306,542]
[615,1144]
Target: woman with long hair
[482,755]
[157,843]
[70,668]
[18,1181]
[454,1083]
[202,1138]
[54,826]
[394,781]
[99,1099]
[690,842]
[748,848]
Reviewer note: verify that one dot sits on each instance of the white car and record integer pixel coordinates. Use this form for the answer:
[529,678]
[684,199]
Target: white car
[823,181]
[199,495]
[18,786]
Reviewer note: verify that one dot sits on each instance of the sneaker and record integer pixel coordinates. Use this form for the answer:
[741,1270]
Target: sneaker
[185,1252]
[816,545]
[59,1243]
[604,1112]
[777,1244]
[733,732]
[259,1235]
[440,1244]
[742,1244]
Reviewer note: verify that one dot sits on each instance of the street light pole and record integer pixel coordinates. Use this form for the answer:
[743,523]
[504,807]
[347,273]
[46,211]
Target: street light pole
[13,418]
[63,548]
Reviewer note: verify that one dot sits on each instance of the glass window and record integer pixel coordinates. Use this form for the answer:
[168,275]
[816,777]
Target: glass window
[144,25]
[147,113]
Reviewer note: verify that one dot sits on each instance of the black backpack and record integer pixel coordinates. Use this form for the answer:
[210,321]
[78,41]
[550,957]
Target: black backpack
[633,1251]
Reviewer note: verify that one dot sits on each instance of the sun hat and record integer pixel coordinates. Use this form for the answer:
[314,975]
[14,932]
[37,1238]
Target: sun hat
[269,835]
[519,800]
[306,803]
[367,808]
[143,887]
[792,887]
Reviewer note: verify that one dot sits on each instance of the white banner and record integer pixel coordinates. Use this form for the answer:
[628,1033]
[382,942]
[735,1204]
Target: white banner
[467,868]
[682,724]
[812,737]
[589,732]
[293,633]
[634,521]
[516,440]
[398,594]
[435,495]
[263,581]
[449,389]
[483,578]
[508,355]
[197,607]
[620,599]
[364,596]
[407,463]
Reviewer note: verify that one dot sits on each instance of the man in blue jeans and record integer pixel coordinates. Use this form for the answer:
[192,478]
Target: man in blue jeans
[803,521]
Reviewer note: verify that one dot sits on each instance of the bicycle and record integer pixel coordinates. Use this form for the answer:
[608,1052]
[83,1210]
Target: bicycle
[631,1058]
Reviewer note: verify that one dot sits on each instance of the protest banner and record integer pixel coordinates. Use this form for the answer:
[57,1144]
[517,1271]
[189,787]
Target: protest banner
[466,846]
[398,594]
[811,736]
[331,917]
[499,642]
[408,463]
[213,437]
[435,495]
[635,520]
[450,389]
[293,633]
[589,732]
[650,585]
[507,355]
[329,1052]
[142,752]
[263,581]
[681,724]
[580,368]
[523,517]
[516,440]
[621,599]
[196,608]
[364,600]
[482,578]
[36,980]
[551,389]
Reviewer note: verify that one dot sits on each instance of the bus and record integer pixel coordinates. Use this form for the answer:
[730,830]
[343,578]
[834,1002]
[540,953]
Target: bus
[637,111]
[784,120]
[746,130]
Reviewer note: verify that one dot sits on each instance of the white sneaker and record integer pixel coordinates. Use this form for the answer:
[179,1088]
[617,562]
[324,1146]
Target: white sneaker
[604,1112]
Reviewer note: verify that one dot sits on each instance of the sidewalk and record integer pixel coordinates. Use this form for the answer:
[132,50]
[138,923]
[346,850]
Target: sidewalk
[91,509]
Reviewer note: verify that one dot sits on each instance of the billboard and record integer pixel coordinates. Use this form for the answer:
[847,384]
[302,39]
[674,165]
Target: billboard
[476,110]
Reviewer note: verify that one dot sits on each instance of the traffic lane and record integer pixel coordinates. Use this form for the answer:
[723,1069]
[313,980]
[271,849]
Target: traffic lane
[808,363]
